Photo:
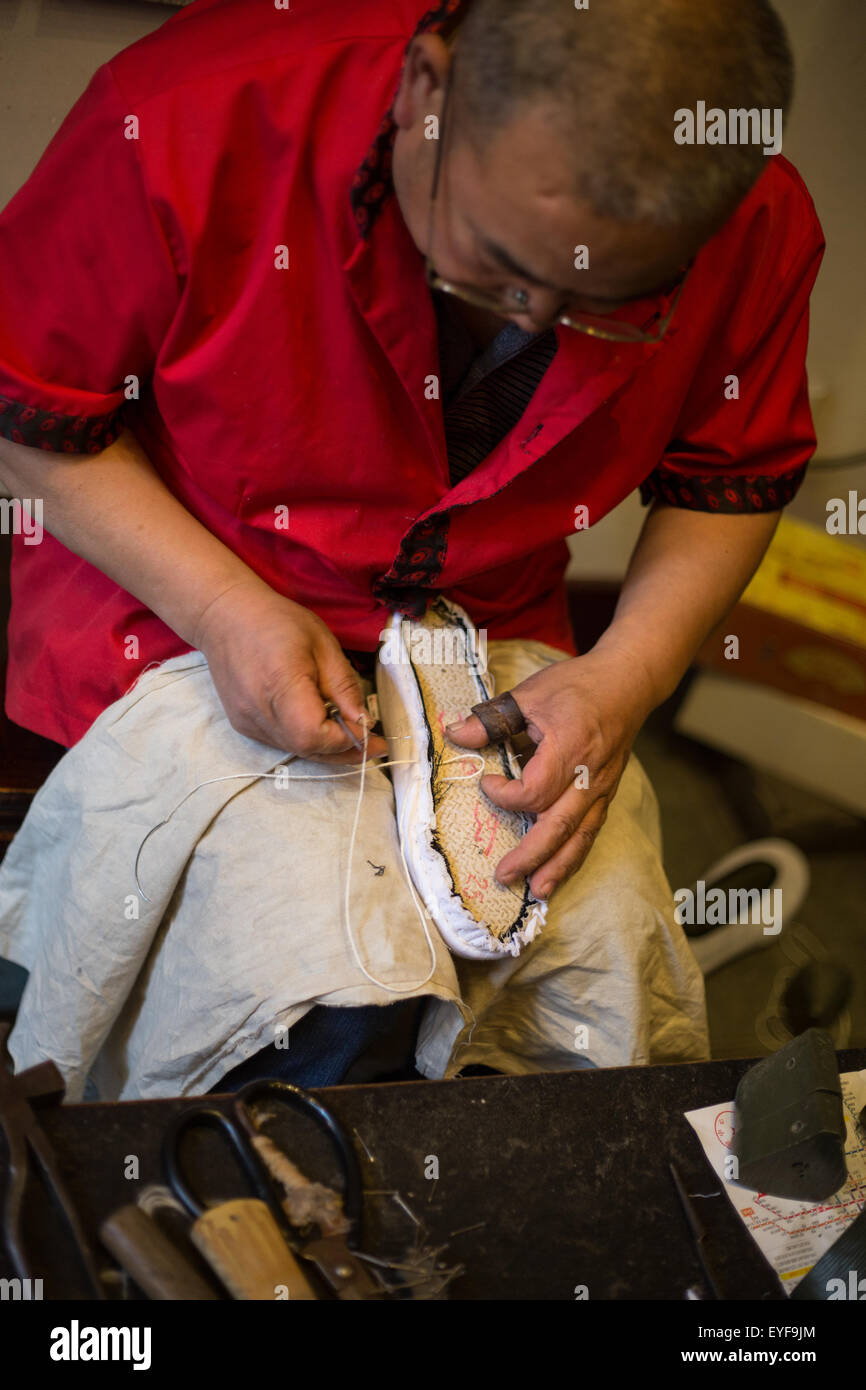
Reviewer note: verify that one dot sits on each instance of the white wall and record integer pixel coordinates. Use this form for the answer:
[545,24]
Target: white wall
[50,48]
[826,139]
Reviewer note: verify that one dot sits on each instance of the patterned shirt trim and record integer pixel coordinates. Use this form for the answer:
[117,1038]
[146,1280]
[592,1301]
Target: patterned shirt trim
[723,493]
[58,433]
[419,563]
[372,184]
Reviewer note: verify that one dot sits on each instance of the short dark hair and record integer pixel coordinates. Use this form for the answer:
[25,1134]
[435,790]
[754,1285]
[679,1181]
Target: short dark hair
[612,76]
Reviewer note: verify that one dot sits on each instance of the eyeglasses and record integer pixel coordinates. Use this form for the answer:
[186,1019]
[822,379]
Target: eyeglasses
[596,325]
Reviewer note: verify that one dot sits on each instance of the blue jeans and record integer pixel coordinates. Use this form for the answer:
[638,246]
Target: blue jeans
[329,1043]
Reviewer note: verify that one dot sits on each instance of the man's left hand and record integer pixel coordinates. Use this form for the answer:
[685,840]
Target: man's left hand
[583,715]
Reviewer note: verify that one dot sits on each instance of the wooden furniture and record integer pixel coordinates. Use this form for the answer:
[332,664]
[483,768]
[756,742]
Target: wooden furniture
[553,1186]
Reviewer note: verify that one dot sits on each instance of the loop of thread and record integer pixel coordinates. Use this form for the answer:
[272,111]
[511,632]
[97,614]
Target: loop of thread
[314,777]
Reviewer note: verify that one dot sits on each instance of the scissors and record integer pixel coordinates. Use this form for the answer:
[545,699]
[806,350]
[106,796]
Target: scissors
[328,1246]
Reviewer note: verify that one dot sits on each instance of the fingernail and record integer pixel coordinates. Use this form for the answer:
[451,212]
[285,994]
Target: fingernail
[506,880]
[458,724]
[544,891]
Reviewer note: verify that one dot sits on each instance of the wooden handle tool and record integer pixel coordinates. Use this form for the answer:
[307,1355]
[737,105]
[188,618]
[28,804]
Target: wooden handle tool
[243,1244]
[154,1262]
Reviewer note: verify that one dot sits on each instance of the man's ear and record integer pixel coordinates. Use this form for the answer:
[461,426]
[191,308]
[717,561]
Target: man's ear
[422,83]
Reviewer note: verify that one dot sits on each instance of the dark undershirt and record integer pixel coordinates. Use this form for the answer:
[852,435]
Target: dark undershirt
[484,392]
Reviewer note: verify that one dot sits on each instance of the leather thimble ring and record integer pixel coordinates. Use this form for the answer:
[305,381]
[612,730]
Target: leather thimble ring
[502,717]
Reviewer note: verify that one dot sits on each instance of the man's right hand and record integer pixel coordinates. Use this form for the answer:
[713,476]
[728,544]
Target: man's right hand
[274,663]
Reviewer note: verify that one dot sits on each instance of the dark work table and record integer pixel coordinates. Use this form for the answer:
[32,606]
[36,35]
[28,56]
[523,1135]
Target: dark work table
[546,1182]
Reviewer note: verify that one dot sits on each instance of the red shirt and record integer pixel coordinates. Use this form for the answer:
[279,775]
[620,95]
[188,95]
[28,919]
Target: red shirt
[264,388]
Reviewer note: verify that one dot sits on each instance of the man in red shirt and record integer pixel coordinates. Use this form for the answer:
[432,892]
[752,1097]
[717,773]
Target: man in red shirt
[257,433]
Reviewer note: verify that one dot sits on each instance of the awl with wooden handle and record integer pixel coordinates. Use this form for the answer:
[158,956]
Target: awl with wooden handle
[244,1246]
[158,1267]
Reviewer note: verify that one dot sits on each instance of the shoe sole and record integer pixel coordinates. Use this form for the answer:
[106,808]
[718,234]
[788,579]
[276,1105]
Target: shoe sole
[429,674]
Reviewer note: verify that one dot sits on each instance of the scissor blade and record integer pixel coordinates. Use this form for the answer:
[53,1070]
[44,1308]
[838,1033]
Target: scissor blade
[340,1268]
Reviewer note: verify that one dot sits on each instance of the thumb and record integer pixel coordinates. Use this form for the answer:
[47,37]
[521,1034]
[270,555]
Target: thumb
[468,733]
[339,680]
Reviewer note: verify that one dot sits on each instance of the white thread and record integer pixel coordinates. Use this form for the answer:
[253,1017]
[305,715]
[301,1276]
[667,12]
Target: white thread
[467,776]
[296,777]
[391,989]
[351,772]
[240,776]
[151,666]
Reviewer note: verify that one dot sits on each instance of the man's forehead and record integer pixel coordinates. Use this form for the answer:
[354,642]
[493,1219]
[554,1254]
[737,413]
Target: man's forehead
[523,224]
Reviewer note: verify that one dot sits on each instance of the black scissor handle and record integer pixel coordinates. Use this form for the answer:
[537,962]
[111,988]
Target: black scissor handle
[306,1104]
[208,1117]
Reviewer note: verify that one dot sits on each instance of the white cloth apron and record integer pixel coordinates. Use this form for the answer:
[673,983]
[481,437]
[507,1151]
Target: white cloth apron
[245,929]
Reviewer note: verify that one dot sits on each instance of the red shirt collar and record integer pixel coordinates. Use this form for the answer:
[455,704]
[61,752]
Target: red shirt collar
[372,183]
